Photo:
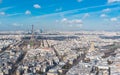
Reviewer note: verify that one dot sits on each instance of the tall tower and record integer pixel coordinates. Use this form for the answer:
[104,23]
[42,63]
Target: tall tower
[32,40]
[32,36]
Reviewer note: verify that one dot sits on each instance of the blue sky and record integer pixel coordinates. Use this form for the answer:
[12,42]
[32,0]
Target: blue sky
[60,14]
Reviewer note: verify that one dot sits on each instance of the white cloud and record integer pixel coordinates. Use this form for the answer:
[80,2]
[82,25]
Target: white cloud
[70,11]
[56,21]
[113,19]
[5,8]
[58,9]
[107,10]
[36,6]
[17,24]
[14,14]
[2,13]
[27,12]
[103,15]
[75,22]
[79,0]
[111,1]
[86,15]
[64,20]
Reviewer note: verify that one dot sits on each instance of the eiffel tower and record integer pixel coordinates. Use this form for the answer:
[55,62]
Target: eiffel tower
[32,39]
[32,32]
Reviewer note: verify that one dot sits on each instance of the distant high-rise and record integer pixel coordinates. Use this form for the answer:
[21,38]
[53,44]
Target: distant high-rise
[41,31]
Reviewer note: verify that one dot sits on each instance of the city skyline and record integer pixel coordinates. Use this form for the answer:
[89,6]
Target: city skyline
[60,15]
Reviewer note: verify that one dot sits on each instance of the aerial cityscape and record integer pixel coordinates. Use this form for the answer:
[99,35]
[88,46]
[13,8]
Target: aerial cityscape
[56,37]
